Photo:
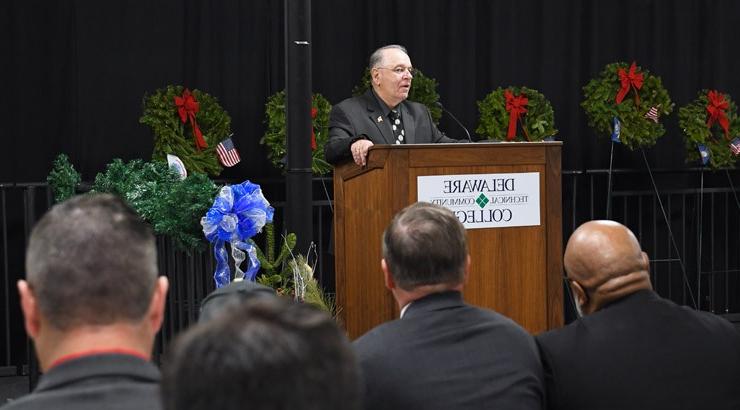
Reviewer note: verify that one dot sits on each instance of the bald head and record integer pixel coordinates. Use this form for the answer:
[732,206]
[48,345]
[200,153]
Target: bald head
[605,261]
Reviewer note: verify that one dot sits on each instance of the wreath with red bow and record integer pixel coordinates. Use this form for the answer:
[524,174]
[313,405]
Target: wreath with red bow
[709,123]
[275,135]
[516,114]
[188,124]
[634,97]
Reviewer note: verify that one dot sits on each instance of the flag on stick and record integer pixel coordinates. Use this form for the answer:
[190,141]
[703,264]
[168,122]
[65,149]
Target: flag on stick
[227,153]
[735,146]
[703,153]
[617,130]
[652,114]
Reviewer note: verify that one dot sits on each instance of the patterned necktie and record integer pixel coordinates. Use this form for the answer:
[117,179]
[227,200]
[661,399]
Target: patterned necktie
[397,126]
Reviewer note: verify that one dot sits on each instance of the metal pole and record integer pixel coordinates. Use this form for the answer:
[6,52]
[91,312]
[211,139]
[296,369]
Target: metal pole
[299,212]
[30,220]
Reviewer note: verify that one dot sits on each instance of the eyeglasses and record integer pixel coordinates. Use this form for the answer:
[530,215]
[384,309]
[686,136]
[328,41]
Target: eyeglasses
[399,70]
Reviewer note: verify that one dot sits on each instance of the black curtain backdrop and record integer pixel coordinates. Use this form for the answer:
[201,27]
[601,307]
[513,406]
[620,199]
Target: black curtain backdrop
[75,71]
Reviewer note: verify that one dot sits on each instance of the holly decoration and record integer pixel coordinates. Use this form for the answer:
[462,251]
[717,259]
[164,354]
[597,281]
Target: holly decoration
[710,121]
[516,114]
[634,96]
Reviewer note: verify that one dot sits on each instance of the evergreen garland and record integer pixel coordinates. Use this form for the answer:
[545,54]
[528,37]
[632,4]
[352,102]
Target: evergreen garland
[601,107]
[423,90]
[172,206]
[693,121]
[538,121]
[275,134]
[172,136]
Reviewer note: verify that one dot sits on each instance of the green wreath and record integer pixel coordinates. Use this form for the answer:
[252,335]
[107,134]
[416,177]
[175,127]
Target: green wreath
[172,136]
[694,119]
[423,90]
[601,105]
[534,124]
[275,134]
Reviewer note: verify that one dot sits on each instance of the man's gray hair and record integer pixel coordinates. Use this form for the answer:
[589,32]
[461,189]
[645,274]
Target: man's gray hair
[377,56]
[92,261]
[425,244]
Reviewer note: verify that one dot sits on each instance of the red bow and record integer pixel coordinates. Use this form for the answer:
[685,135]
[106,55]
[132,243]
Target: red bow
[515,106]
[314,113]
[716,109]
[187,107]
[633,79]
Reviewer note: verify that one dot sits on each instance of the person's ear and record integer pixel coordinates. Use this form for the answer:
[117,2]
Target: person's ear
[646,261]
[387,276]
[155,315]
[467,270]
[375,76]
[579,293]
[30,308]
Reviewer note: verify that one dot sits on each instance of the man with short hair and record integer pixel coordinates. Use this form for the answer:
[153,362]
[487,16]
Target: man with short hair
[223,299]
[382,115]
[92,302]
[442,353]
[263,354]
[634,349]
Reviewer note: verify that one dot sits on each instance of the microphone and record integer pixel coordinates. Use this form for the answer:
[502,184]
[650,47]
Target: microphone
[442,107]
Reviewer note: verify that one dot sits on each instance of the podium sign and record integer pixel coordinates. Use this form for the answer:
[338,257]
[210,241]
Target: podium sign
[485,200]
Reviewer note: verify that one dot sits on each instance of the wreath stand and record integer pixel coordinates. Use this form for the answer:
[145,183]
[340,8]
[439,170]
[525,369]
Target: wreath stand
[700,230]
[665,219]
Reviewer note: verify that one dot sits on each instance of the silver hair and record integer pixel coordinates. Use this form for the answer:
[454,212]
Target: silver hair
[377,56]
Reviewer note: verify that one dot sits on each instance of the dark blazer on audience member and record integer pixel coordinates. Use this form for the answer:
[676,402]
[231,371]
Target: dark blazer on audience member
[97,382]
[445,354]
[643,352]
[360,116]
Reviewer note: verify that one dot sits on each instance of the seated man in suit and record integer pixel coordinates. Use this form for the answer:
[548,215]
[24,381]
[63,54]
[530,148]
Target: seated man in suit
[634,349]
[265,353]
[442,353]
[92,303]
[381,115]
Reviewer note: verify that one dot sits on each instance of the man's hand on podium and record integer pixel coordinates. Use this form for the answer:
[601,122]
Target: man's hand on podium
[359,150]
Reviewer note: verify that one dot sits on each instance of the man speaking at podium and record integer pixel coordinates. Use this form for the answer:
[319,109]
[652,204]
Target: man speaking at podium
[381,115]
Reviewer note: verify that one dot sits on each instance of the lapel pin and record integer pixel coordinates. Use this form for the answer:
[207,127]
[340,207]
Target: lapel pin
[380,118]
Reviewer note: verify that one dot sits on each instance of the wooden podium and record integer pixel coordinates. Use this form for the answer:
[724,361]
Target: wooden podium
[516,271]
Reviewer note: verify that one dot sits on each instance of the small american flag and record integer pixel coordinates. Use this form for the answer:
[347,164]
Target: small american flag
[227,154]
[652,114]
[735,146]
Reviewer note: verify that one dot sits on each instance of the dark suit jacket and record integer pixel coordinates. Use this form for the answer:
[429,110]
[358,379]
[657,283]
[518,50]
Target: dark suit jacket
[106,381]
[364,116]
[445,354]
[643,352]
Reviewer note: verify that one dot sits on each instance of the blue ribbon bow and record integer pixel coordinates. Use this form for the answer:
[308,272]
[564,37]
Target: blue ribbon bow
[238,213]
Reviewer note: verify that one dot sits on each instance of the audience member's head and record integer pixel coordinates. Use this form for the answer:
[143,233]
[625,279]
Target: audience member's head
[424,251]
[604,263]
[91,279]
[231,296]
[268,353]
